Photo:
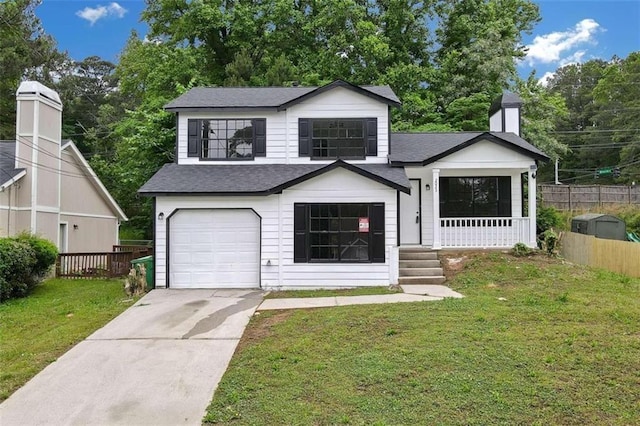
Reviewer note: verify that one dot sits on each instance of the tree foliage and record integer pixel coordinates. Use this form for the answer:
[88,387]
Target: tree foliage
[445,59]
[602,98]
[25,50]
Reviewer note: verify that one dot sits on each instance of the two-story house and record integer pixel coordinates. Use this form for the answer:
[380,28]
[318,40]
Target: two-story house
[294,187]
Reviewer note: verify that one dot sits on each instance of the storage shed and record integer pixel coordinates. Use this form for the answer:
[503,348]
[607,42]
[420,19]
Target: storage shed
[600,225]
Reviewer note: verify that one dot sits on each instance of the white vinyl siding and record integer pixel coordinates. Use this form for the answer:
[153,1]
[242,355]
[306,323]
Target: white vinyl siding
[282,126]
[277,268]
[339,103]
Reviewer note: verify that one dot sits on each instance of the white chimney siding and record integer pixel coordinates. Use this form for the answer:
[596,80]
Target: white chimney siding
[504,114]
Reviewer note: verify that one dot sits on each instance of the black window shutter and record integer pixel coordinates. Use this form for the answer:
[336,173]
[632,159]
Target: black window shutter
[304,138]
[300,233]
[372,136]
[260,137]
[376,226]
[193,148]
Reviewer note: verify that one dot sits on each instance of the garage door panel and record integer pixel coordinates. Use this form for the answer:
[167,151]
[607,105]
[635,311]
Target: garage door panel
[215,249]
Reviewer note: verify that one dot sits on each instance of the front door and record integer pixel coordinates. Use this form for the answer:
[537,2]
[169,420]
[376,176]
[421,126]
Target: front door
[410,218]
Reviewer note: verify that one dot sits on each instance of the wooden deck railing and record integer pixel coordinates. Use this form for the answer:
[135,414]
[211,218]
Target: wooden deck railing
[95,265]
[140,249]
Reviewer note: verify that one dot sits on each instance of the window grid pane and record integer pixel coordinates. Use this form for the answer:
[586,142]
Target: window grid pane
[338,139]
[223,139]
[334,234]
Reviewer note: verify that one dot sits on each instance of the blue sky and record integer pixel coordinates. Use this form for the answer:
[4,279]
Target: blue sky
[570,31]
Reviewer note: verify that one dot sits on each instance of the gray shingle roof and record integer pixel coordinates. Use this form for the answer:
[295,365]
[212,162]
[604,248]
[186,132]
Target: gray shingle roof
[8,161]
[257,179]
[425,148]
[265,97]
[507,99]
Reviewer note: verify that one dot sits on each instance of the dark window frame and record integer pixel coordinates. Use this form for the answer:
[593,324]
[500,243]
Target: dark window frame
[323,140]
[331,138]
[257,138]
[321,227]
[466,201]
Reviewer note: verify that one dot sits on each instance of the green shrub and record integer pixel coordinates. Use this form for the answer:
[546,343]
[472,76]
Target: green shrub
[547,218]
[45,251]
[521,250]
[550,241]
[17,262]
[24,262]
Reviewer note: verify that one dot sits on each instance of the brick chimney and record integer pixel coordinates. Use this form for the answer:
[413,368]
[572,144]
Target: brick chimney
[504,114]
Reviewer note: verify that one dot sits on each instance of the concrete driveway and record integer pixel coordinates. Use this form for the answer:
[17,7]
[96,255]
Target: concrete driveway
[158,363]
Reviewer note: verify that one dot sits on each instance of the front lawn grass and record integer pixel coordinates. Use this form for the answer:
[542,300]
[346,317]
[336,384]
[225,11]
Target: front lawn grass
[36,330]
[358,291]
[535,341]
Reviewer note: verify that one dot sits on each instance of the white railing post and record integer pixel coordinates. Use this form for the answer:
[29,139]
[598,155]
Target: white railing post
[437,243]
[532,207]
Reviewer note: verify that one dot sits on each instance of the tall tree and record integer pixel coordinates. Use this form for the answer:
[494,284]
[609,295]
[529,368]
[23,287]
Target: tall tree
[479,44]
[619,94]
[25,50]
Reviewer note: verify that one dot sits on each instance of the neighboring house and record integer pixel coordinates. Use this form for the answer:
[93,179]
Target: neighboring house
[307,187]
[47,187]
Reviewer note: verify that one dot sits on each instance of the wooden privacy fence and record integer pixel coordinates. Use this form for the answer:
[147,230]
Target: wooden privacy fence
[579,197]
[618,256]
[100,264]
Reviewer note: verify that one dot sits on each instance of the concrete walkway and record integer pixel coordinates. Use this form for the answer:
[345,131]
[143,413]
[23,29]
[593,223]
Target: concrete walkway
[158,363]
[412,293]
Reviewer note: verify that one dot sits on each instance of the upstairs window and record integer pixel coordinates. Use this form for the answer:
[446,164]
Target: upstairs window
[344,138]
[227,139]
[475,196]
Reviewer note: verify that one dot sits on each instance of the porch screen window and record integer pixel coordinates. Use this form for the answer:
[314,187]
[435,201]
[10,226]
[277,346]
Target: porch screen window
[475,196]
[339,233]
[225,139]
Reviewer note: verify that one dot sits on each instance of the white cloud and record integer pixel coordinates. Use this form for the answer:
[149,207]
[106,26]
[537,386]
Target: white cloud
[93,14]
[544,80]
[558,46]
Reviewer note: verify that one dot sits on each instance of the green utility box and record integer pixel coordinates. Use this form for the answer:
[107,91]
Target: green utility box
[147,261]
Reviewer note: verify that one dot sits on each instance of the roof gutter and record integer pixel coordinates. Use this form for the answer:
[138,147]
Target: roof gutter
[12,180]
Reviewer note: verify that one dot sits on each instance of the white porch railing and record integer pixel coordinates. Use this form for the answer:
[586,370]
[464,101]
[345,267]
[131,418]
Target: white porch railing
[485,232]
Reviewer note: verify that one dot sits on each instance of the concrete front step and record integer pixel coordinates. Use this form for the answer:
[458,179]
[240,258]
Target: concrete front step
[422,280]
[408,272]
[418,255]
[419,263]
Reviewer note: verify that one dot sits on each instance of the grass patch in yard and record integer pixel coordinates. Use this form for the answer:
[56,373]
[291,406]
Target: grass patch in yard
[36,330]
[358,291]
[535,341]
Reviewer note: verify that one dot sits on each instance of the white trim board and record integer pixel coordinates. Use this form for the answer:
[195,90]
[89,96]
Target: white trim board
[86,168]
[99,216]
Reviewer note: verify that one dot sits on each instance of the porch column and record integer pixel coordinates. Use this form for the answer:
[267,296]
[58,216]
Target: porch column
[435,185]
[532,206]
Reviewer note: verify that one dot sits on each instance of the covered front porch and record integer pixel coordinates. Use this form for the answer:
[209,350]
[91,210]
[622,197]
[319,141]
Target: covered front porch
[463,208]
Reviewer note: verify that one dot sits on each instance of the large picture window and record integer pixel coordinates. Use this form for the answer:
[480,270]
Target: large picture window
[475,196]
[339,233]
[226,139]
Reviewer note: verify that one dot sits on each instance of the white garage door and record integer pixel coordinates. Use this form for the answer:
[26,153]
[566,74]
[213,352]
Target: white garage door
[216,248]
